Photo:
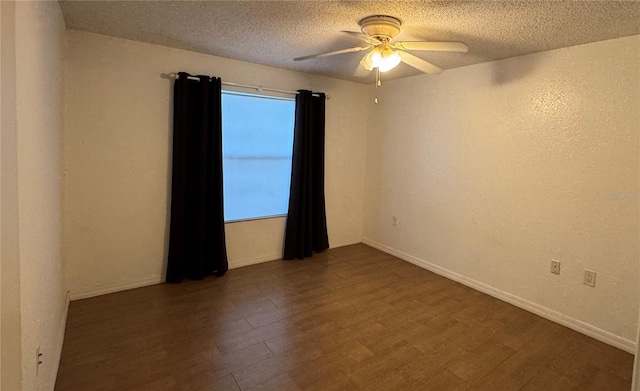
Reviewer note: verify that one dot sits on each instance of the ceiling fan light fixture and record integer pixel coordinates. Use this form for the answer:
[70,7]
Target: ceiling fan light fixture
[376,57]
[385,59]
[389,62]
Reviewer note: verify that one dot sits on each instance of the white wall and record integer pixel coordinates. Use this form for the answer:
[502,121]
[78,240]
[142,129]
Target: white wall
[116,160]
[39,47]
[10,336]
[496,169]
[31,193]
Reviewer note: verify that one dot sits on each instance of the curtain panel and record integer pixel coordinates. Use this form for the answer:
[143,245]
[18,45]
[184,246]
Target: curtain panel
[197,238]
[306,230]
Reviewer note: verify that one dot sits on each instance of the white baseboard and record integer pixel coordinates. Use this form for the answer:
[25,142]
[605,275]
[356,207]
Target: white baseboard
[572,323]
[343,244]
[275,257]
[85,293]
[254,261]
[105,289]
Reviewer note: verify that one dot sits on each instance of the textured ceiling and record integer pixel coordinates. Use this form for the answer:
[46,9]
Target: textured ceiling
[275,32]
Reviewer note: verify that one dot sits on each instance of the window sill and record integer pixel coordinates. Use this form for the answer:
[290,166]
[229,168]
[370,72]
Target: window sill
[254,218]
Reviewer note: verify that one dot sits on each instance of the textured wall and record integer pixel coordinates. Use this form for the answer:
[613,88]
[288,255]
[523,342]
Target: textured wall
[32,51]
[10,336]
[116,160]
[495,169]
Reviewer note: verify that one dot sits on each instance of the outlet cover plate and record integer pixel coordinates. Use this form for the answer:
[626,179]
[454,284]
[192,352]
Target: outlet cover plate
[555,266]
[589,278]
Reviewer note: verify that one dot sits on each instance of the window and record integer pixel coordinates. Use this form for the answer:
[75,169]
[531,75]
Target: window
[257,134]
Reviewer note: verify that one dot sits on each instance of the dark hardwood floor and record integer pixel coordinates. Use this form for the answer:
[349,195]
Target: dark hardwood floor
[351,318]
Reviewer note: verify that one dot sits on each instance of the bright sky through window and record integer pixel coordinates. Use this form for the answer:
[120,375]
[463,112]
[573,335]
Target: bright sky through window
[257,134]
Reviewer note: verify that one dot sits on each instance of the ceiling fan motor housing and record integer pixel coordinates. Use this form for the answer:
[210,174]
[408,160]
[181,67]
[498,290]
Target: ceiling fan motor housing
[380,26]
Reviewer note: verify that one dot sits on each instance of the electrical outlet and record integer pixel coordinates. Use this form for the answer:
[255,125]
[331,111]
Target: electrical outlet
[555,267]
[394,221]
[38,359]
[589,278]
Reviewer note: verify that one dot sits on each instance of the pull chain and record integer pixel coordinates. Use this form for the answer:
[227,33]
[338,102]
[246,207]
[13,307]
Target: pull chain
[378,84]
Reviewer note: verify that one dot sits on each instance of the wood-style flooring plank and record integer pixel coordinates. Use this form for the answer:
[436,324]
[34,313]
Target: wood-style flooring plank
[351,318]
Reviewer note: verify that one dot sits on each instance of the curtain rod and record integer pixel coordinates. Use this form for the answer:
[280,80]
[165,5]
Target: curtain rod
[174,75]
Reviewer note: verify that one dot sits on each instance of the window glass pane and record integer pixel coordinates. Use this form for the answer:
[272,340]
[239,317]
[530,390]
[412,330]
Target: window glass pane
[257,134]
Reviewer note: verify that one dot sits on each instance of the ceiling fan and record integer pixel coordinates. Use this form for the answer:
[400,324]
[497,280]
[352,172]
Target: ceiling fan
[378,32]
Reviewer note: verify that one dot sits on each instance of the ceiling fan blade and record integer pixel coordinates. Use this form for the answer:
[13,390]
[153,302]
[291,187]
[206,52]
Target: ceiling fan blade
[433,46]
[368,39]
[418,63]
[350,50]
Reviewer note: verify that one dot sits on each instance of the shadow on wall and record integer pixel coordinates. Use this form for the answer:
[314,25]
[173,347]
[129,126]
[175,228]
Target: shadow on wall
[165,257]
[504,73]
[480,50]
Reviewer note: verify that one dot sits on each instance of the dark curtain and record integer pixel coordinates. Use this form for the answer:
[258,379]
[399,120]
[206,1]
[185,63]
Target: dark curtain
[306,221]
[197,241]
